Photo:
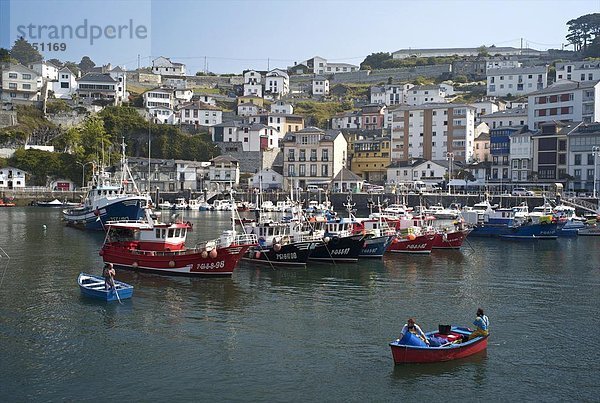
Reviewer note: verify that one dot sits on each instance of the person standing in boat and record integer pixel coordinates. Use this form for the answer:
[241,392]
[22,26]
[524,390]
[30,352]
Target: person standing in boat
[482,324]
[413,328]
[109,276]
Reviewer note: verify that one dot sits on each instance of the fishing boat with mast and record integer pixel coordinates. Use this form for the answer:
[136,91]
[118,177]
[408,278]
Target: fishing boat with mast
[108,201]
[159,247]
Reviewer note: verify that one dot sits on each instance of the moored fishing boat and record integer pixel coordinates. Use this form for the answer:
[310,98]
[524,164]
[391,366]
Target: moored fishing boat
[158,247]
[276,247]
[412,243]
[94,287]
[405,353]
[107,201]
[450,239]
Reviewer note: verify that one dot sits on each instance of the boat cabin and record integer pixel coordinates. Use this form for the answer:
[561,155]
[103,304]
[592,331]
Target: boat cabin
[142,236]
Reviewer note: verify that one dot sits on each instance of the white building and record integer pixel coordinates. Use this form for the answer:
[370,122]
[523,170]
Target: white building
[98,87]
[282,107]
[346,120]
[166,97]
[417,169]
[485,107]
[46,70]
[521,156]
[11,178]
[516,81]
[446,52]
[586,70]
[223,173]
[320,86]
[565,101]
[120,76]
[253,136]
[253,83]
[501,64]
[391,94]
[207,99]
[65,85]
[277,83]
[313,156]
[431,131]
[20,84]
[507,117]
[266,179]
[162,115]
[200,114]
[422,94]
[319,65]
[247,109]
[165,67]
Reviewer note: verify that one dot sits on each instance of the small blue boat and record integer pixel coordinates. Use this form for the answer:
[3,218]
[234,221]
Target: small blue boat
[93,286]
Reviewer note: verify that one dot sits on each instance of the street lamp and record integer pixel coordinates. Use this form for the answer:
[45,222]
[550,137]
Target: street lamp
[450,159]
[83,164]
[595,153]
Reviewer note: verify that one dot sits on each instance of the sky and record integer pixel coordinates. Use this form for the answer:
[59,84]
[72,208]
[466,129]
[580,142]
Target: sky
[229,36]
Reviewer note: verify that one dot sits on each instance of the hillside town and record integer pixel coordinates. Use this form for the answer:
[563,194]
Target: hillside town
[499,117]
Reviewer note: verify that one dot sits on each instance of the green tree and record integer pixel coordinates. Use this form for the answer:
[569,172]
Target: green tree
[583,30]
[86,64]
[24,53]
[482,51]
[94,139]
[4,55]
[375,60]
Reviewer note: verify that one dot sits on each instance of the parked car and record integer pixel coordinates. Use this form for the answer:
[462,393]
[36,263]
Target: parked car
[314,188]
[522,192]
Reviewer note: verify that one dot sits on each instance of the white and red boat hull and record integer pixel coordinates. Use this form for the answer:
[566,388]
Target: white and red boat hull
[190,262]
[420,244]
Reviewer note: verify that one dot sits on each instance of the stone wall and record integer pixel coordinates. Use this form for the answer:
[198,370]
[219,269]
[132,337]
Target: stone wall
[8,118]
[250,161]
[399,74]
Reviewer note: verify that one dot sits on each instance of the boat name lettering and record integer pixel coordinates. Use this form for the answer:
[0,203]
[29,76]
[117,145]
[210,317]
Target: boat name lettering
[286,256]
[344,251]
[372,250]
[211,266]
[417,246]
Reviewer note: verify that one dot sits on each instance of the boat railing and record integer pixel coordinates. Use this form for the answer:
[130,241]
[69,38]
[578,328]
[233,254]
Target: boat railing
[307,237]
[246,239]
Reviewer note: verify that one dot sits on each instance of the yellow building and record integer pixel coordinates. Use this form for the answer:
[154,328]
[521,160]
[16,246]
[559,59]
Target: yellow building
[370,158]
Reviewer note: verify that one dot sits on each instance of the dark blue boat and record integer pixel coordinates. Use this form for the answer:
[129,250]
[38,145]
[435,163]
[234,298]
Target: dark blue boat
[93,286]
[375,246]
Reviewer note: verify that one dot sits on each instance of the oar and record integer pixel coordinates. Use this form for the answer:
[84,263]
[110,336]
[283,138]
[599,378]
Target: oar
[115,287]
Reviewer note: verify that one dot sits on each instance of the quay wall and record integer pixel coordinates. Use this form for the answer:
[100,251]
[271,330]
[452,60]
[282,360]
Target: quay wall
[360,200]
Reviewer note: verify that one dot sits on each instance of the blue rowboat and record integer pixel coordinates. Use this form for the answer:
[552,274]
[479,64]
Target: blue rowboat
[93,287]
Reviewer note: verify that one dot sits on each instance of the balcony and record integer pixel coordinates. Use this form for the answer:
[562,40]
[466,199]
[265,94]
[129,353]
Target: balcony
[292,159]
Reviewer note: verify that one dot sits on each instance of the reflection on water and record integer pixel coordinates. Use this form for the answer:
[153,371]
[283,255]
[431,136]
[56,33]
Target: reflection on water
[472,368]
[233,338]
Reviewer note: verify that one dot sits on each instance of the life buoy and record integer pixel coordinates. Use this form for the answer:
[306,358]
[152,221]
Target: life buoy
[204,254]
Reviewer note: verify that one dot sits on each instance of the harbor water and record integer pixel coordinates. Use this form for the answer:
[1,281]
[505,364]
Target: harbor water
[314,334]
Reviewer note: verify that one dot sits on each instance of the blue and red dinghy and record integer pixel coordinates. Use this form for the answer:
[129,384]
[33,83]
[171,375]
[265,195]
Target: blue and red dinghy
[411,349]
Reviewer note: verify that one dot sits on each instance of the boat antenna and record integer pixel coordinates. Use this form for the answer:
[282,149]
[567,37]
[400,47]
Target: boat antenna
[149,149]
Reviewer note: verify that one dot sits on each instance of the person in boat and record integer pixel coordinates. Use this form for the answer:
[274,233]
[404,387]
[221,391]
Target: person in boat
[482,324]
[412,327]
[109,276]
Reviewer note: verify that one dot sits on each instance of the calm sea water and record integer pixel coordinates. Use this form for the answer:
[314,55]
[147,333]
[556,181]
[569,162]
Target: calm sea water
[316,334]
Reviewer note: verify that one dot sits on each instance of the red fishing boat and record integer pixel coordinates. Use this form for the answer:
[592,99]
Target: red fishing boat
[154,246]
[453,239]
[413,242]
[451,350]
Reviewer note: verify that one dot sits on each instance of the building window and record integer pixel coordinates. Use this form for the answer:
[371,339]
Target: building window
[577,159]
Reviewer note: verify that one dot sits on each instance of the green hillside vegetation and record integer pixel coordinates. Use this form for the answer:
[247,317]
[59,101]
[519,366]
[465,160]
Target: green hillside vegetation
[29,119]
[318,113]
[99,138]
